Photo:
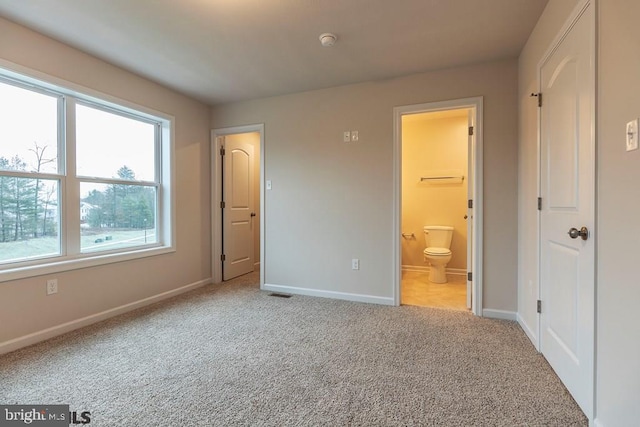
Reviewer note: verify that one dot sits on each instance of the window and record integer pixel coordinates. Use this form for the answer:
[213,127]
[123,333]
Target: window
[29,174]
[118,185]
[82,179]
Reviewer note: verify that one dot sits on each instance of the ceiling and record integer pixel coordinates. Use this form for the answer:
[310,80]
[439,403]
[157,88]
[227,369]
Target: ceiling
[221,51]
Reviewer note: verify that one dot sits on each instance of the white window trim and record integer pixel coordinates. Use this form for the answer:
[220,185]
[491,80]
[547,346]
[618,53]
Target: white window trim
[166,199]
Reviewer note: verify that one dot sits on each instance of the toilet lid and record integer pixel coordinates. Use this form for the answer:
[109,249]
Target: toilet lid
[437,251]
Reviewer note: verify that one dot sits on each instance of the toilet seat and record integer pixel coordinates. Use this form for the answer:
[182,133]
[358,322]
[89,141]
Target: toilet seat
[437,251]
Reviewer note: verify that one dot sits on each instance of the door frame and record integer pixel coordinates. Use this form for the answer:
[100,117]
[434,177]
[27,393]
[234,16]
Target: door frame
[216,198]
[571,20]
[475,104]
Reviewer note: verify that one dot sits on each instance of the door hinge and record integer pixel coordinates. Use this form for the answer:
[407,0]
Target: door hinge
[470,204]
[222,152]
[222,205]
[539,96]
[470,130]
[223,257]
[539,203]
[539,306]
[470,276]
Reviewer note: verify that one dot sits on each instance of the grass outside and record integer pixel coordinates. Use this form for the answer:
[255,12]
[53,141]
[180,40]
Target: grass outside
[90,241]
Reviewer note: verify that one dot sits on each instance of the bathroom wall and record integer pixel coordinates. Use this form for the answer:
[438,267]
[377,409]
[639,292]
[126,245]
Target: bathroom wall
[253,138]
[434,144]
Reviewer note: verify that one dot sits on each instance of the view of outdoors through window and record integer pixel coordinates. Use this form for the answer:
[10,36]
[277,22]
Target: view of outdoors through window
[111,148]
[116,171]
[29,211]
[116,216]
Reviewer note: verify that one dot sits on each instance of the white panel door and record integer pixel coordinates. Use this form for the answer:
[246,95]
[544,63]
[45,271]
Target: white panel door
[567,185]
[238,214]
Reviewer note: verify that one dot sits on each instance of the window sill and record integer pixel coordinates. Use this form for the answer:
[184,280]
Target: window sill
[59,266]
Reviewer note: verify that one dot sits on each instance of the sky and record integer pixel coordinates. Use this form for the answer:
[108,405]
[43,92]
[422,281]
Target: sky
[104,141]
[27,117]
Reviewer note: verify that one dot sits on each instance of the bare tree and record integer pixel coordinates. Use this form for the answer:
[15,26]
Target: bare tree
[40,162]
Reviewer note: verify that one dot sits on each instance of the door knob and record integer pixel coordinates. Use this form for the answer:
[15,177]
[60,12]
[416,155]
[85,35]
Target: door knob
[583,232]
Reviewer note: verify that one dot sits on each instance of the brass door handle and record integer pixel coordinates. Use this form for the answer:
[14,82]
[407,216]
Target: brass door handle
[574,233]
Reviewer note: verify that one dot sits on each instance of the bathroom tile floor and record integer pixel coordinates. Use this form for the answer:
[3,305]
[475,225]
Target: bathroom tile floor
[418,290]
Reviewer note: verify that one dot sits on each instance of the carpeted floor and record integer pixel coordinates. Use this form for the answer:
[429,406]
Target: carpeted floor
[227,355]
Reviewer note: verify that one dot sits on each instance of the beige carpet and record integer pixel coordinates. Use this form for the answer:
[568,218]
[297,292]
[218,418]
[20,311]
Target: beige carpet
[231,355]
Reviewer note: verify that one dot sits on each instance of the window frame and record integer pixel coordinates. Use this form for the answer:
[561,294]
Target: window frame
[70,256]
[156,184]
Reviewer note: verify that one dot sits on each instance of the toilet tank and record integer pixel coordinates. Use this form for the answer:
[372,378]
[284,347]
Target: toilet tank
[438,236]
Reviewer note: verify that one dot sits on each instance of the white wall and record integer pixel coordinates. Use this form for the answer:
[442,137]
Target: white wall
[618,201]
[618,227]
[332,201]
[24,307]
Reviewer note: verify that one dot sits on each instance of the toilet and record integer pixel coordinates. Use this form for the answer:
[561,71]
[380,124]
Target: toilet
[437,252]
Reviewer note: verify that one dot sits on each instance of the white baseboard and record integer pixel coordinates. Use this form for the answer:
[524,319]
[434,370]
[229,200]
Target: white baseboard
[596,423]
[457,271]
[45,334]
[328,294]
[528,332]
[417,268]
[425,269]
[499,314]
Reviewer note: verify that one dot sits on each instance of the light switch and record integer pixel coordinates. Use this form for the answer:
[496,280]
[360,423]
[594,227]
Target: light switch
[346,137]
[354,135]
[268,184]
[632,135]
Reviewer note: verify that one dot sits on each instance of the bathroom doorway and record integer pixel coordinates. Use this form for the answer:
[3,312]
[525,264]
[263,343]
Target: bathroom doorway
[438,211]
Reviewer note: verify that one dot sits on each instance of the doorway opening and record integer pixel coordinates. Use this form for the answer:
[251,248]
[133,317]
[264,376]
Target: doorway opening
[438,204]
[237,220]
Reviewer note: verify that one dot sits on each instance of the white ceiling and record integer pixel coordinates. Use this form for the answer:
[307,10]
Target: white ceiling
[222,51]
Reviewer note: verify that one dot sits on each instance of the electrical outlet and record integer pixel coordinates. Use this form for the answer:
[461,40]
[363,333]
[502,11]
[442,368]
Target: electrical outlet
[355,264]
[52,286]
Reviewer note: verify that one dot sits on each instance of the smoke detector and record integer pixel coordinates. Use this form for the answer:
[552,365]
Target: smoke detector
[328,39]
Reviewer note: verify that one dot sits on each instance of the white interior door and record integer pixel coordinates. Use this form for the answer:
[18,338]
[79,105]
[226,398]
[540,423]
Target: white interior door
[567,186]
[238,213]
